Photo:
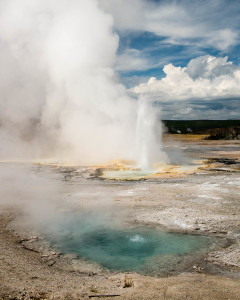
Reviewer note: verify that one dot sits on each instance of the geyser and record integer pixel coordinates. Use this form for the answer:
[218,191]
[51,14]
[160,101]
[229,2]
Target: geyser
[59,96]
[149,135]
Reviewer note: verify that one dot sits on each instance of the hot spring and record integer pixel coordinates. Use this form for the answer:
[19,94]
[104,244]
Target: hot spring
[122,247]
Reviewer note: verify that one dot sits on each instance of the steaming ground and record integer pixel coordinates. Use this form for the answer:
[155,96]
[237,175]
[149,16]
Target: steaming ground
[36,197]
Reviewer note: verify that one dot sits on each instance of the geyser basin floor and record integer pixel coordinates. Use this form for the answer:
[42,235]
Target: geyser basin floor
[140,249]
[127,174]
[206,201]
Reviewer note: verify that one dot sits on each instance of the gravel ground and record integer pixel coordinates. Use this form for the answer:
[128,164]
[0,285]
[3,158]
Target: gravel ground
[203,202]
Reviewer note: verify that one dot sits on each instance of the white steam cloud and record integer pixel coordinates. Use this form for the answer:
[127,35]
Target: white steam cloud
[59,95]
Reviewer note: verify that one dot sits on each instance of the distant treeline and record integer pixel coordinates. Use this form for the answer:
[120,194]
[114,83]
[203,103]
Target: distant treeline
[199,126]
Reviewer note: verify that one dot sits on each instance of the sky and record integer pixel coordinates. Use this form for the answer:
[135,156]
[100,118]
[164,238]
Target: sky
[183,55]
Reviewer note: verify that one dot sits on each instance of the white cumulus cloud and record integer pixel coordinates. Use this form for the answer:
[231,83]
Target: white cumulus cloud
[206,77]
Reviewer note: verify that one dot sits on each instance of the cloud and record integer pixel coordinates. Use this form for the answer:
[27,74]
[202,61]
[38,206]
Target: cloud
[206,77]
[208,110]
[209,23]
[128,15]
[131,59]
[136,60]
[208,87]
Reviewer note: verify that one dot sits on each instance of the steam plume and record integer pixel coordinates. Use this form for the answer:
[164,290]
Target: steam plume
[59,95]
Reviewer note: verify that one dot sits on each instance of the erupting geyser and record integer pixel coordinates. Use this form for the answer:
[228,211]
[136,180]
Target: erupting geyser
[59,96]
[149,135]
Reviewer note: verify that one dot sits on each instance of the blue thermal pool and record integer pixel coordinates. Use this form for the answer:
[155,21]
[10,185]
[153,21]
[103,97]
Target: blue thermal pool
[122,249]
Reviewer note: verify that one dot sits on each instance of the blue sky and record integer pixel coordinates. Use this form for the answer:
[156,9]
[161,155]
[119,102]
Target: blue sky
[155,33]
[158,53]
[215,31]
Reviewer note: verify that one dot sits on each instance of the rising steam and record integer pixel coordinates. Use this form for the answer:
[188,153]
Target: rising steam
[59,95]
[60,99]
[149,135]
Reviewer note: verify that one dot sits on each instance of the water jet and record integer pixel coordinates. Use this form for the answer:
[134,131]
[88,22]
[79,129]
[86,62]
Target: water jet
[148,135]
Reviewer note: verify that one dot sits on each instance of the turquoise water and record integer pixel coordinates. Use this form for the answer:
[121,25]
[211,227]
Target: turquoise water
[121,249]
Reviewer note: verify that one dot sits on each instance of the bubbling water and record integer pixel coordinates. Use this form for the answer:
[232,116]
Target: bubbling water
[137,238]
[115,246]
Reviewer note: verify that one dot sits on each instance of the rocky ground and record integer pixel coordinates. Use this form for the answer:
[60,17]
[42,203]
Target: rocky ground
[204,201]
